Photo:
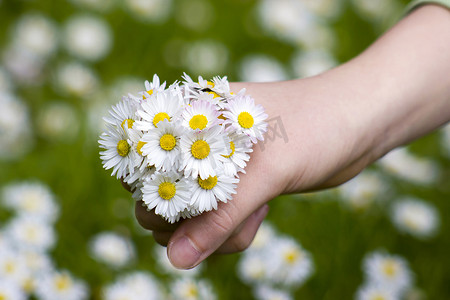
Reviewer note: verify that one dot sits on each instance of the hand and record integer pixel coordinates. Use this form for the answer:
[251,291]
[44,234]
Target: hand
[337,123]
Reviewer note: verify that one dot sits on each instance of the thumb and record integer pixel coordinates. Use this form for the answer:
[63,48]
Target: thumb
[197,238]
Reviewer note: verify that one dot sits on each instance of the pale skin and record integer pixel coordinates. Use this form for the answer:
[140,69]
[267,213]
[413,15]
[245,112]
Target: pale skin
[338,123]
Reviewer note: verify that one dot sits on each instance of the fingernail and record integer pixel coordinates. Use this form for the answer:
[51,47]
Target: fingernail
[182,253]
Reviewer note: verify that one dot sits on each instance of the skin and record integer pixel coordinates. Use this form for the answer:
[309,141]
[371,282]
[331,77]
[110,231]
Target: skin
[337,123]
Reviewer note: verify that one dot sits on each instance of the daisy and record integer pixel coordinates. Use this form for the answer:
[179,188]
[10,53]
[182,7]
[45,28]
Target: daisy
[187,213]
[112,249]
[221,87]
[168,193]
[202,84]
[162,145]
[266,292]
[123,113]
[133,286]
[11,291]
[141,160]
[266,233]
[118,153]
[237,156]
[199,95]
[166,105]
[60,285]
[207,192]
[200,152]
[32,199]
[153,87]
[200,115]
[252,268]
[191,289]
[13,266]
[289,263]
[389,271]
[245,117]
[416,217]
[375,292]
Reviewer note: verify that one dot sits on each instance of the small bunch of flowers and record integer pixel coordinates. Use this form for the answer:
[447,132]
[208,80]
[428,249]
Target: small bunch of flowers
[181,148]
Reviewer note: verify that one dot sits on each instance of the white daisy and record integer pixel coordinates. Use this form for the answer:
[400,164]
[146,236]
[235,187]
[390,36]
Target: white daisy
[58,121]
[123,113]
[118,153]
[263,237]
[245,117]
[200,115]
[30,233]
[375,292]
[36,263]
[153,87]
[162,145]
[155,11]
[252,267]
[112,249]
[200,152]
[206,56]
[237,156]
[142,162]
[187,213]
[289,263]
[166,105]
[168,193]
[415,217]
[221,87]
[191,289]
[191,96]
[13,266]
[389,271]
[76,79]
[165,266]
[11,291]
[266,292]
[201,84]
[87,37]
[33,199]
[208,192]
[60,285]
[133,286]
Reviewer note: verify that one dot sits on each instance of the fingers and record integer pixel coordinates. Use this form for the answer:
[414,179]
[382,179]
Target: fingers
[198,237]
[241,240]
[151,221]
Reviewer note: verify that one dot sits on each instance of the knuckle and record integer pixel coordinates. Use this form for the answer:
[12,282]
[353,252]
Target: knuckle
[222,220]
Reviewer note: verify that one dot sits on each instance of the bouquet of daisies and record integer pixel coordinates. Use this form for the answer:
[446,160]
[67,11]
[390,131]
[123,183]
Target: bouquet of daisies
[181,148]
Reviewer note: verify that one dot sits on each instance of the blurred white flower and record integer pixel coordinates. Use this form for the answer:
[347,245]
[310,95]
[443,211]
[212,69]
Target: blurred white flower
[201,9]
[133,286]
[87,37]
[76,79]
[25,67]
[416,217]
[187,288]
[288,263]
[375,292]
[112,249]
[59,285]
[156,11]
[266,292]
[206,57]
[311,63]
[15,130]
[263,238]
[325,8]
[98,5]
[286,19]
[252,267]
[261,68]
[123,86]
[31,199]
[377,10]
[391,272]
[363,190]
[166,267]
[30,233]
[35,33]
[57,121]
[12,266]
[10,291]
[405,165]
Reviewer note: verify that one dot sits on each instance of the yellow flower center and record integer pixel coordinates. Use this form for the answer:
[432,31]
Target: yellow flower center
[130,123]
[167,190]
[192,291]
[214,94]
[10,267]
[221,117]
[123,148]
[3,297]
[139,147]
[245,120]
[390,268]
[198,122]
[62,282]
[150,92]
[378,297]
[233,148]
[291,256]
[210,84]
[159,117]
[208,183]
[200,149]
[167,142]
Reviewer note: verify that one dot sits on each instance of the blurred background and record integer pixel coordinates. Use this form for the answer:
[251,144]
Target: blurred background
[67,228]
